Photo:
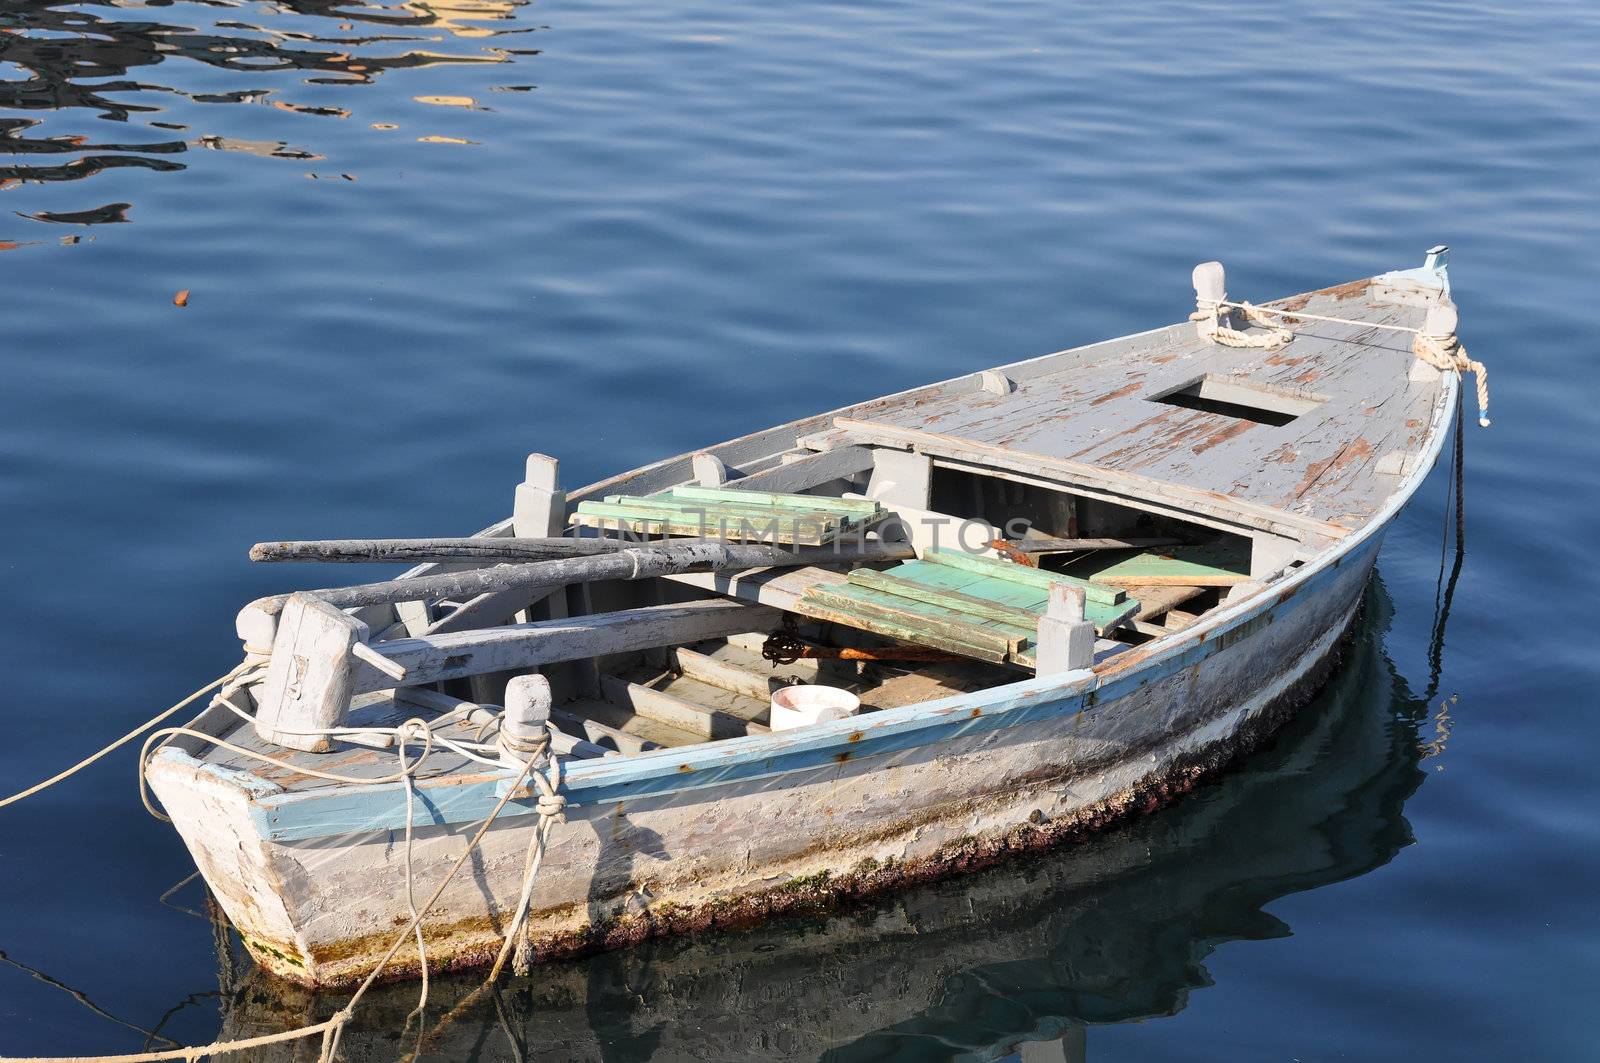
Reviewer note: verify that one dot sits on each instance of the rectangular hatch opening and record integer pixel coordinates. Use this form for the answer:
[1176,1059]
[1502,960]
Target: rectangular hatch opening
[1245,399]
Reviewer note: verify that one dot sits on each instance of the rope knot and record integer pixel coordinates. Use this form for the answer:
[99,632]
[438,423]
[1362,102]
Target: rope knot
[414,730]
[1211,315]
[1443,351]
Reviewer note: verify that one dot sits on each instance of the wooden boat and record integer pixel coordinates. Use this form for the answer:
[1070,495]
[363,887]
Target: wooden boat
[1154,546]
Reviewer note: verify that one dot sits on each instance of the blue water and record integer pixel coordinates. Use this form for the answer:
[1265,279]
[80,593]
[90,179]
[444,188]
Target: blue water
[424,239]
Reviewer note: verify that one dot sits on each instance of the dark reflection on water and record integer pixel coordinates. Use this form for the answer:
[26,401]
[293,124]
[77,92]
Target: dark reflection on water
[55,57]
[1026,958]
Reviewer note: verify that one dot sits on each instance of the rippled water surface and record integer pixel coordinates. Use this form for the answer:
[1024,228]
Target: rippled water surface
[419,240]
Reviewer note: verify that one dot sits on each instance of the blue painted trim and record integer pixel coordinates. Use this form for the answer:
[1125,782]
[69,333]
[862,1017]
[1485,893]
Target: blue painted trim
[288,817]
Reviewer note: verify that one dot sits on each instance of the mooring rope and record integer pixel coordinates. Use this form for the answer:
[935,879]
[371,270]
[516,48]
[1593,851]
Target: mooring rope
[1446,354]
[404,733]
[331,1028]
[1444,591]
[1251,310]
[1443,351]
[551,807]
[242,675]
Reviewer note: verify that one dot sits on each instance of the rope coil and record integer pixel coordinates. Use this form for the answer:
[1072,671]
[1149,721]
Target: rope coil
[1210,313]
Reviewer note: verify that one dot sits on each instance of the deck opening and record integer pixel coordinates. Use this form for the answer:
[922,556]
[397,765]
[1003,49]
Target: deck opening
[1247,400]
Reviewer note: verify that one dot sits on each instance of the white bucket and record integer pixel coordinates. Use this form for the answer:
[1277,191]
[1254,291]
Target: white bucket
[797,706]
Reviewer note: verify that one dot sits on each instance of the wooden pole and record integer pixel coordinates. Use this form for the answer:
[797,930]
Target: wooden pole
[435,551]
[638,562]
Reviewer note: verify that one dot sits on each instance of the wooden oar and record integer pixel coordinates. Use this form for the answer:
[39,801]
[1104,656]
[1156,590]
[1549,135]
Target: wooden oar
[425,551]
[636,562]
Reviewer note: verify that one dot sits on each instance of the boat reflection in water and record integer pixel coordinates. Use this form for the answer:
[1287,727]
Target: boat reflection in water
[1012,963]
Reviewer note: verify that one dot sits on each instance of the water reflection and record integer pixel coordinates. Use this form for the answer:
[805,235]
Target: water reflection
[1016,963]
[132,63]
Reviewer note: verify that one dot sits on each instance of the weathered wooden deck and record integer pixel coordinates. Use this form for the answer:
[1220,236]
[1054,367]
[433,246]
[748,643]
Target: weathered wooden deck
[1092,411]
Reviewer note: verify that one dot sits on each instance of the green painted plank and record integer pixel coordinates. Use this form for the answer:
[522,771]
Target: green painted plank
[1004,592]
[1198,566]
[1033,577]
[965,627]
[1107,617]
[861,508]
[1001,592]
[906,621]
[692,505]
[958,603]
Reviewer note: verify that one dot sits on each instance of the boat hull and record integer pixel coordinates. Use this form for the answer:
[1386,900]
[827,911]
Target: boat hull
[738,831]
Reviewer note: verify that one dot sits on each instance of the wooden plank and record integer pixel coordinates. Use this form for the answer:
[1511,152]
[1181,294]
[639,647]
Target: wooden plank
[933,682]
[1195,566]
[1157,600]
[908,621]
[732,494]
[779,588]
[1006,593]
[918,622]
[966,627]
[999,591]
[731,508]
[596,731]
[905,633]
[955,601]
[1181,579]
[1033,577]
[675,712]
[809,471]
[488,610]
[730,677]
[432,658]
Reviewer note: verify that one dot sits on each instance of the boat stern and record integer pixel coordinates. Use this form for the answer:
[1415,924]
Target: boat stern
[211,807]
